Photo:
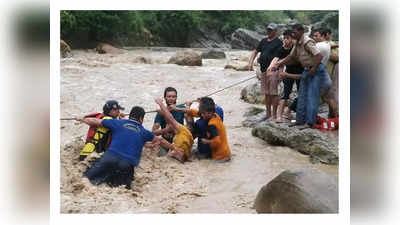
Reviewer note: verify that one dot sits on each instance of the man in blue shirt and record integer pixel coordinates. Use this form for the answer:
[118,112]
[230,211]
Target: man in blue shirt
[116,167]
[160,125]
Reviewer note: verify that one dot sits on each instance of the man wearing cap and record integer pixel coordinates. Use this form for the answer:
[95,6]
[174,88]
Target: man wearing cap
[314,78]
[116,166]
[269,48]
[99,138]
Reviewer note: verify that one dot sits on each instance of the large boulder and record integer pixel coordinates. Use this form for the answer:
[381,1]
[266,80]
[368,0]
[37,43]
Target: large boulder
[320,146]
[245,39]
[207,38]
[103,48]
[213,54]
[186,58]
[302,190]
[252,93]
[65,49]
[238,66]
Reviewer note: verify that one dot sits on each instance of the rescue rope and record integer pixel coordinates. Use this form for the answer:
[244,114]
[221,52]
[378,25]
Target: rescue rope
[215,92]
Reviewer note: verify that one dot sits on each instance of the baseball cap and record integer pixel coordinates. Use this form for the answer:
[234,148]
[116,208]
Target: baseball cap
[272,26]
[112,104]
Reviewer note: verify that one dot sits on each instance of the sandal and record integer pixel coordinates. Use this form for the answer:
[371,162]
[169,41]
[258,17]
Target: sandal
[295,124]
[306,126]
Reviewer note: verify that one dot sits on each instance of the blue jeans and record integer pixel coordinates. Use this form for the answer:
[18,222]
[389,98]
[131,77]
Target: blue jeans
[112,170]
[309,93]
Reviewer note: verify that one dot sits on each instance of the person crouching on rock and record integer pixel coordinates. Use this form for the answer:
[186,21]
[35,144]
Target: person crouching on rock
[182,142]
[116,166]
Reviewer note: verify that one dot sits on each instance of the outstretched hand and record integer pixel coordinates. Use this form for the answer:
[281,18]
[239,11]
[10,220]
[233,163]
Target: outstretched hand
[159,101]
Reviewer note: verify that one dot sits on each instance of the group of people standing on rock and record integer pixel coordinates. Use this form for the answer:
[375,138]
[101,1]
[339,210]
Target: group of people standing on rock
[122,140]
[311,63]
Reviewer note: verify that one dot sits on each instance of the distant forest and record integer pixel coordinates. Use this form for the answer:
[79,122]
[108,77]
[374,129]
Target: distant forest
[174,25]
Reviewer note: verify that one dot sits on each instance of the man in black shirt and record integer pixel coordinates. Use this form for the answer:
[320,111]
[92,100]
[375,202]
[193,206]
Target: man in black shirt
[269,48]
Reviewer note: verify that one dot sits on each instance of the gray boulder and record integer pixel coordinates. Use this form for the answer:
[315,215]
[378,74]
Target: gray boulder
[302,190]
[213,54]
[186,58]
[252,94]
[245,39]
[320,146]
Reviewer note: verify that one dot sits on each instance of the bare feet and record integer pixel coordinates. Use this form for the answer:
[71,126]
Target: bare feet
[278,120]
[177,155]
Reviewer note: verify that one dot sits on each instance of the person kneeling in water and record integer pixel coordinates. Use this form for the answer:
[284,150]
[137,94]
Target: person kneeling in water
[183,140]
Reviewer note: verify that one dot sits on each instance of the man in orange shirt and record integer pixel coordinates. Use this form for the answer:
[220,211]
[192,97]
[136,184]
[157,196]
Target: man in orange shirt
[216,132]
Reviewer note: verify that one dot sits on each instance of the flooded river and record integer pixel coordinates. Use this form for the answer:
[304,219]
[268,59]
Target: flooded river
[162,185]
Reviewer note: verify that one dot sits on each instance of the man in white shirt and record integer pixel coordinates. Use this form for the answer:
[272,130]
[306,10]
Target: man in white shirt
[323,46]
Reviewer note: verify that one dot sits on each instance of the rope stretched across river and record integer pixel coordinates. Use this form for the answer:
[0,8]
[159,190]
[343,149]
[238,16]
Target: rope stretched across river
[218,90]
[232,85]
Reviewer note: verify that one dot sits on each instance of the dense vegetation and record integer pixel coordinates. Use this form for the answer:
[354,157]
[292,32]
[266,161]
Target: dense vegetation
[170,25]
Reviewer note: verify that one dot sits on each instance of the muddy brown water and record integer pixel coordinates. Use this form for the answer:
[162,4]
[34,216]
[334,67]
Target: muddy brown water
[162,185]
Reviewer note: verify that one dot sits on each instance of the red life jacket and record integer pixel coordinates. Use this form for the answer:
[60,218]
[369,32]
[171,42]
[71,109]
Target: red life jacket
[92,129]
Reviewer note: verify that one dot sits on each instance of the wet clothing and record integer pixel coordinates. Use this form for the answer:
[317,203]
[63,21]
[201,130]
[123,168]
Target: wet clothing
[178,116]
[129,137]
[112,170]
[98,138]
[183,140]
[217,133]
[116,165]
[200,129]
[269,50]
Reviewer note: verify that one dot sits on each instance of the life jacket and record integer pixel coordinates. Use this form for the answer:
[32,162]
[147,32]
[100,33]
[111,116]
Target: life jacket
[327,124]
[98,137]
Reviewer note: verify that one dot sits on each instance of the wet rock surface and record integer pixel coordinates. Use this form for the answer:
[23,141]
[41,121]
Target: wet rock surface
[162,185]
[320,146]
[213,54]
[302,190]
[186,58]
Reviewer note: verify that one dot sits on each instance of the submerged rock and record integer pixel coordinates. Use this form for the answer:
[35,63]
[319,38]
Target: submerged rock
[241,66]
[213,54]
[103,48]
[186,58]
[302,190]
[321,146]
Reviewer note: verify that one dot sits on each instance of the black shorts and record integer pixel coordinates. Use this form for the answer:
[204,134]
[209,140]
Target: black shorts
[293,106]
[112,170]
[288,87]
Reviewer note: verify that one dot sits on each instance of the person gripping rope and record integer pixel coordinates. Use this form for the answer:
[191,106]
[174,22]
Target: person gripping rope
[99,137]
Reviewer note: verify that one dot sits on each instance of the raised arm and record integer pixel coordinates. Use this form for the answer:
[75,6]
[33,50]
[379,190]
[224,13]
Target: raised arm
[167,115]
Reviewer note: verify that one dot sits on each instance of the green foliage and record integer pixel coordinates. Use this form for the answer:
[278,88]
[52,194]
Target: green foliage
[174,27]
